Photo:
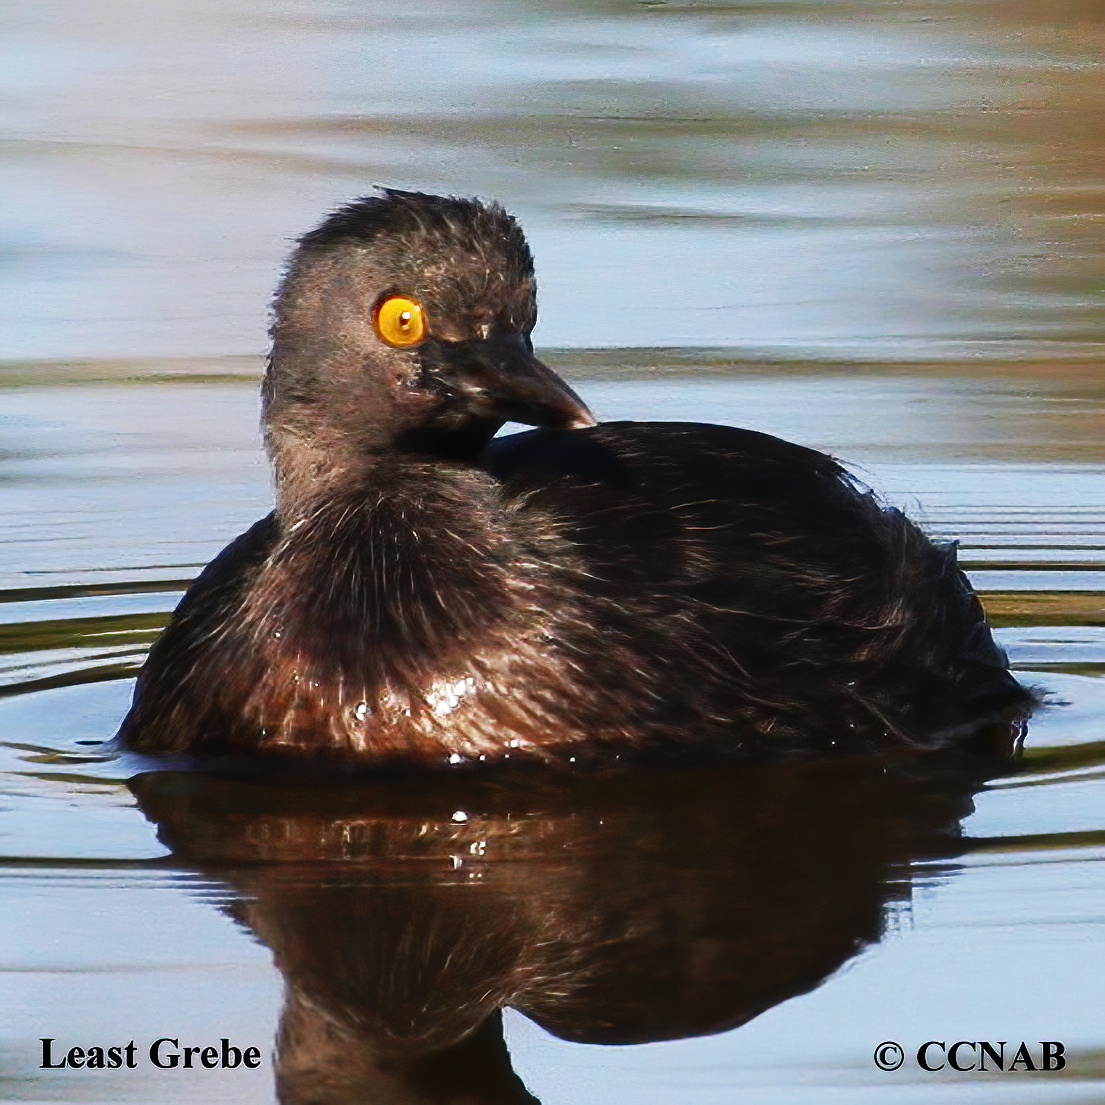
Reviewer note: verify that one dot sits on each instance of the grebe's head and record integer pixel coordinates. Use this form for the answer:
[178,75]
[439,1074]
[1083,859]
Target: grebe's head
[403,325]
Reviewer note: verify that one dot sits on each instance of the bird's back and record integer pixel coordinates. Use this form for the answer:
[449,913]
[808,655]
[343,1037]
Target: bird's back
[760,585]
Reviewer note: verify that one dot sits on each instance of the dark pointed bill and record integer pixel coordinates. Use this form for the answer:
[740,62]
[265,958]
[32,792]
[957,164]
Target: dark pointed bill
[500,378]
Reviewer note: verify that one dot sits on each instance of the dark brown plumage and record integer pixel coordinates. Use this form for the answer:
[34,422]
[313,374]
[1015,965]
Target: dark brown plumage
[579,593]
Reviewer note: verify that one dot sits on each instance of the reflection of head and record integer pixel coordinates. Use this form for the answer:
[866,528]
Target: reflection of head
[655,907]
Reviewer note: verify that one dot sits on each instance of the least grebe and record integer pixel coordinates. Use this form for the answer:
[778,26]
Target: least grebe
[427,593]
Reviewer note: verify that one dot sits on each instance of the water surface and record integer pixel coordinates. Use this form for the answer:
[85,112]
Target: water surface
[984,920]
[874,229]
[860,179]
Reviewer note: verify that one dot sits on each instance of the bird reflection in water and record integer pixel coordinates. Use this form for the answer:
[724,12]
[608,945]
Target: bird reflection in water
[406,913]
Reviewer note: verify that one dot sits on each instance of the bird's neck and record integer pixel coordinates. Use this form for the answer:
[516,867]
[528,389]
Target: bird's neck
[309,473]
[399,561]
[309,470]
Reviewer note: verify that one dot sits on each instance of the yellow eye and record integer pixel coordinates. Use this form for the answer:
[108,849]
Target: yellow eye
[400,321]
